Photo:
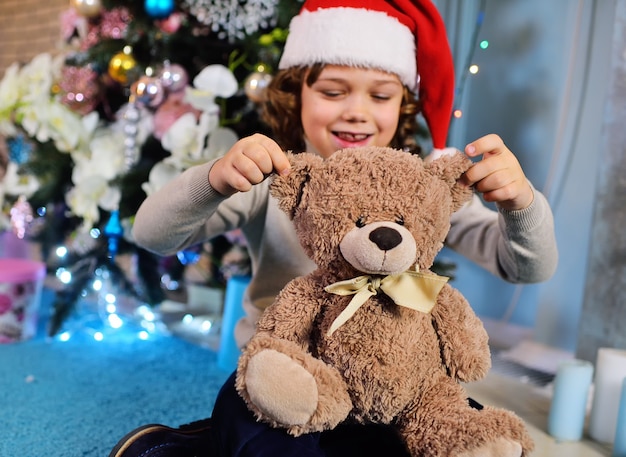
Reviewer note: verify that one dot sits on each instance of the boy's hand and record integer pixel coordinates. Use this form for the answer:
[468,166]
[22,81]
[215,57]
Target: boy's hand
[247,163]
[498,176]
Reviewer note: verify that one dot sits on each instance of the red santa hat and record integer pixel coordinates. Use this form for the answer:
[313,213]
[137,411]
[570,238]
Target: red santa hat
[404,37]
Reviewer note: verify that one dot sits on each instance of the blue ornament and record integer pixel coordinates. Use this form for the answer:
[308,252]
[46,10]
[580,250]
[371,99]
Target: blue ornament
[19,149]
[114,231]
[188,256]
[159,9]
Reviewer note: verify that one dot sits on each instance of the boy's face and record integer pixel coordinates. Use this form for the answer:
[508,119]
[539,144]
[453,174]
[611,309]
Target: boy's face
[349,107]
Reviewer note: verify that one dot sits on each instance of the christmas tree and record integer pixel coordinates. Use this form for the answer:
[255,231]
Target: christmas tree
[142,91]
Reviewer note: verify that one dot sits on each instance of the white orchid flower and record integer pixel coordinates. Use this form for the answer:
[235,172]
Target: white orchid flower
[161,174]
[65,126]
[46,120]
[92,174]
[16,184]
[89,124]
[30,118]
[36,78]
[183,139]
[213,81]
[105,158]
[220,141]
[8,100]
[91,193]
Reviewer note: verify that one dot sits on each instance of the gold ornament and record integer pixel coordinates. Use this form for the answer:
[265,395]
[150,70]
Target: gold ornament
[255,85]
[122,66]
[87,8]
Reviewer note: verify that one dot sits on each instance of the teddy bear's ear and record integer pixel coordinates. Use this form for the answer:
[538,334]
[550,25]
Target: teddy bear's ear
[288,189]
[449,166]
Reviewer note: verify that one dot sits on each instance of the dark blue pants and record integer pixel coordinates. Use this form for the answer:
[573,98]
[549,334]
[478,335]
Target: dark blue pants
[236,433]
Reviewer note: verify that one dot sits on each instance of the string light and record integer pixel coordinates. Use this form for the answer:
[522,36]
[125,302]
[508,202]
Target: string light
[471,68]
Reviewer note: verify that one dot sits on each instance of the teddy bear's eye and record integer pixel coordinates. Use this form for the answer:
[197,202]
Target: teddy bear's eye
[360,222]
[400,220]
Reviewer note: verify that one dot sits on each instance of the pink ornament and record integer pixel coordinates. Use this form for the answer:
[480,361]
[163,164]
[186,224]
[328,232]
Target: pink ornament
[80,89]
[173,77]
[21,217]
[72,23]
[114,23]
[169,112]
[148,91]
[171,24]
[92,38]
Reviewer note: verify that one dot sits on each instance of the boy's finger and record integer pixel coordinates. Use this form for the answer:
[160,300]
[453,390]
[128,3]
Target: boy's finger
[487,145]
[280,162]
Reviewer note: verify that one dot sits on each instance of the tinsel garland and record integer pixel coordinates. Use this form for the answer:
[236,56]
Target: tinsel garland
[232,19]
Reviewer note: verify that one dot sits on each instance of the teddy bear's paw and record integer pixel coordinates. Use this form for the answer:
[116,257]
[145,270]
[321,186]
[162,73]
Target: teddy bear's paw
[281,388]
[500,447]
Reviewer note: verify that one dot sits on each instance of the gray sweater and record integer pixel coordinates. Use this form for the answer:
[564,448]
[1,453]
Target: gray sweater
[518,246]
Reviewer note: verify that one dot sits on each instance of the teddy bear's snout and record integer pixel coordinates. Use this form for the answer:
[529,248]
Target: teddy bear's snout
[381,247]
[385,238]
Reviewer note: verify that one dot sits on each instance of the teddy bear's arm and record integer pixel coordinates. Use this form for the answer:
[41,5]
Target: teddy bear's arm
[462,337]
[293,313]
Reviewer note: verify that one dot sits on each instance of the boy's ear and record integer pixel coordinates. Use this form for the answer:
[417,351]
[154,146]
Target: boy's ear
[449,167]
[289,189]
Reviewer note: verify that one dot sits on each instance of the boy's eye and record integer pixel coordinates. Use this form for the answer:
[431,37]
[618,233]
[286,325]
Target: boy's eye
[360,222]
[381,97]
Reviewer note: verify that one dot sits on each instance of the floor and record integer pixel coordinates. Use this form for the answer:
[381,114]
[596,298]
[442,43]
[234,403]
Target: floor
[531,402]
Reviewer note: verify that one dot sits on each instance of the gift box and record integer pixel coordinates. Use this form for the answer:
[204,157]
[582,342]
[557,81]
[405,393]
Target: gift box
[21,281]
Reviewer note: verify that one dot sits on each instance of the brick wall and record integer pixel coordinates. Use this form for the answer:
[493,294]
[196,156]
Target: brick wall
[27,28]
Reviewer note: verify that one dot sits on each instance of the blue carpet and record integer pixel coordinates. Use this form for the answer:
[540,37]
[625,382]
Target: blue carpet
[79,397]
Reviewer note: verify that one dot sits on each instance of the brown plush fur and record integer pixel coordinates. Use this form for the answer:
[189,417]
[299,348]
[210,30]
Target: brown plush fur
[387,364]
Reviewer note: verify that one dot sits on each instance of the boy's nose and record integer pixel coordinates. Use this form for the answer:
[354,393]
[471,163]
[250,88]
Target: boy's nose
[355,109]
[355,114]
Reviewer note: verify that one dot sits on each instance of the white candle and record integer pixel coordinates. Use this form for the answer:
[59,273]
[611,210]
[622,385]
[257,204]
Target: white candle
[610,373]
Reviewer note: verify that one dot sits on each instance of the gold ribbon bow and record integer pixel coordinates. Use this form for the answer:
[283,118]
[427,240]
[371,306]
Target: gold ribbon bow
[410,289]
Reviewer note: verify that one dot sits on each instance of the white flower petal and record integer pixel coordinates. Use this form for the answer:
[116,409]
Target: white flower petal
[17,184]
[160,175]
[220,141]
[110,200]
[217,79]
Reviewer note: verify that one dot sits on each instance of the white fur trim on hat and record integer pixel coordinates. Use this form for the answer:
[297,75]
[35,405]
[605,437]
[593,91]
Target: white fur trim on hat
[355,37]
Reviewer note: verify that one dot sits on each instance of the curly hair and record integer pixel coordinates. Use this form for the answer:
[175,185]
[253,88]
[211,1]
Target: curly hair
[282,106]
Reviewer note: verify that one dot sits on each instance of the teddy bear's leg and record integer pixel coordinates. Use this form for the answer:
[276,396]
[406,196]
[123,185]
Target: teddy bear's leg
[444,423]
[500,447]
[287,387]
[236,432]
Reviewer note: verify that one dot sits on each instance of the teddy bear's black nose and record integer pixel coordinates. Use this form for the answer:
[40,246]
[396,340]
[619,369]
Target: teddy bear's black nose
[385,238]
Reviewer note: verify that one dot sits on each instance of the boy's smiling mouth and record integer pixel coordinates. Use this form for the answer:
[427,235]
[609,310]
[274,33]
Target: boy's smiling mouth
[352,137]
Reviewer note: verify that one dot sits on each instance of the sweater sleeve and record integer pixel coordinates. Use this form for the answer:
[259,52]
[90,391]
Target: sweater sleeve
[518,246]
[186,211]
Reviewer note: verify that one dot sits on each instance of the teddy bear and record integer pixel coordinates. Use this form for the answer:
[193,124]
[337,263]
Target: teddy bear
[372,335]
